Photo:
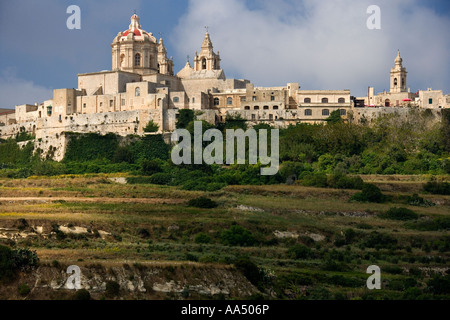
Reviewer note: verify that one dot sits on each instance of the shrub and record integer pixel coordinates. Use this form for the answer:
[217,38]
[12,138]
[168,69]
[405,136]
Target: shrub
[150,167]
[437,187]
[402,214]
[441,223]
[24,259]
[299,252]
[202,202]
[249,270]
[24,289]
[151,127]
[202,238]
[370,193]
[439,284]
[314,180]
[340,181]
[237,236]
[379,240]
[161,179]
[82,295]
[417,201]
[143,233]
[112,288]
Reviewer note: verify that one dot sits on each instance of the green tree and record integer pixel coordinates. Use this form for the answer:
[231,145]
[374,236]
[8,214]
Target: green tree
[185,117]
[335,117]
[151,127]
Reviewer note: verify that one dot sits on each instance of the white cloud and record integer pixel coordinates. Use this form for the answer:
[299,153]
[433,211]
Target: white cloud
[15,91]
[320,44]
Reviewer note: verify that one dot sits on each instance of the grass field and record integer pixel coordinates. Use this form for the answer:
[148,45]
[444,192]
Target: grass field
[308,243]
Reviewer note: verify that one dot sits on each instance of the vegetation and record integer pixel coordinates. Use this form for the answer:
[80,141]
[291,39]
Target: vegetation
[151,127]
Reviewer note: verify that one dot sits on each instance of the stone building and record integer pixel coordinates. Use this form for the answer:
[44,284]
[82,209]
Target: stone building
[142,86]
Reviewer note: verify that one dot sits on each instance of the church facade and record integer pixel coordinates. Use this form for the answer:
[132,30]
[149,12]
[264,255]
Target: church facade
[142,86]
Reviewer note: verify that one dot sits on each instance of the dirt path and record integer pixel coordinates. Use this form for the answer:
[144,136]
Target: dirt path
[85,199]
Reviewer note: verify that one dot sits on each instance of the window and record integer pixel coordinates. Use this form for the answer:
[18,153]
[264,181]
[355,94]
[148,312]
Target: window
[256,108]
[101,104]
[403,82]
[275,107]
[84,105]
[387,103]
[216,101]
[60,118]
[137,60]
[272,98]
[254,98]
[247,108]
[325,112]
[193,99]
[123,102]
[324,100]
[308,112]
[176,99]
[343,112]
[341,100]
[243,99]
[430,101]
[253,117]
[203,64]
[137,92]
[266,107]
[395,82]
[49,110]
[111,103]
[307,100]
[271,117]
[230,101]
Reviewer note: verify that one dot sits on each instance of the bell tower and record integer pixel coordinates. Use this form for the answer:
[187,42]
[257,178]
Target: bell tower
[398,76]
[207,59]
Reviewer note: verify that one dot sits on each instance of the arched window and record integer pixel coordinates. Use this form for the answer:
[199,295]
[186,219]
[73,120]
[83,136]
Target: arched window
[341,100]
[216,101]
[387,103]
[307,100]
[204,64]
[324,100]
[308,112]
[137,60]
[176,100]
[137,92]
[403,82]
[256,107]
[343,112]
[275,107]
[247,107]
[193,99]
[325,112]
[122,58]
[266,107]
[230,101]
[395,82]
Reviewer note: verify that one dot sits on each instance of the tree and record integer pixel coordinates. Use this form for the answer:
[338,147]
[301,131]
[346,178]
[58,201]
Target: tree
[186,116]
[151,127]
[335,117]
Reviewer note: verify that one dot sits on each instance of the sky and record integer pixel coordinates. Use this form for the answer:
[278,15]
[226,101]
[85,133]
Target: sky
[321,44]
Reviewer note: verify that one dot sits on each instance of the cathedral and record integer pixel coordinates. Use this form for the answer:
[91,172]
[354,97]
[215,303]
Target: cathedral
[142,86]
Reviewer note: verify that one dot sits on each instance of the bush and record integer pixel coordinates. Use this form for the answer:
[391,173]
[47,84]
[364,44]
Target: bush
[237,236]
[202,202]
[144,233]
[24,289]
[202,238]
[6,263]
[314,180]
[340,181]
[380,240]
[299,252]
[161,179]
[150,167]
[82,295]
[112,289]
[441,223]
[417,201]
[439,284]
[370,193]
[24,259]
[151,127]
[402,214]
[249,270]
[437,187]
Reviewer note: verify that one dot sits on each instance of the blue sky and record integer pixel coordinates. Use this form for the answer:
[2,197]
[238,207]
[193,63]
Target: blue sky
[320,44]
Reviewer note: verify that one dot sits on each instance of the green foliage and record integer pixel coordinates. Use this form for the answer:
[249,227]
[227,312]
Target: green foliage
[12,261]
[202,238]
[335,117]
[185,117]
[12,154]
[436,224]
[402,214]
[370,193]
[299,252]
[417,201]
[379,240]
[161,178]
[150,167]
[437,187]
[202,202]
[314,179]
[90,146]
[250,270]
[6,263]
[24,289]
[237,236]
[112,289]
[439,284]
[82,295]
[151,127]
